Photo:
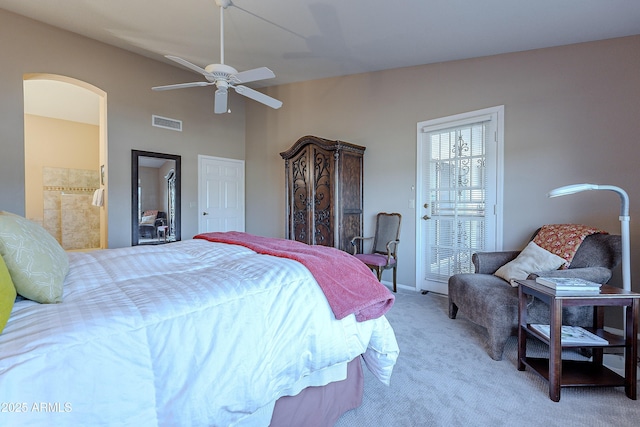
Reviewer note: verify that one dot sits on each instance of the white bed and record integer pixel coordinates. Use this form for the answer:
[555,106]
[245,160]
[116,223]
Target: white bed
[192,333]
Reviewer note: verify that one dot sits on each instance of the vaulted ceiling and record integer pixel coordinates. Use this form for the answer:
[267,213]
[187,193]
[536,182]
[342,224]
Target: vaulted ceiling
[310,39]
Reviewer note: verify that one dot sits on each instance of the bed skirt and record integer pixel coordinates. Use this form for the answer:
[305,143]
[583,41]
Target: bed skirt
[321,406]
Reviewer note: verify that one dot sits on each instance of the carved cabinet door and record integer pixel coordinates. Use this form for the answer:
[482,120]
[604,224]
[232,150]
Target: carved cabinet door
[323,196]
[300,213]
[310,178]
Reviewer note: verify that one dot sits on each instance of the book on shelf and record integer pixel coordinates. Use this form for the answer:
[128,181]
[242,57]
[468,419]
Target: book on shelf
[571,335]
[578,292]
[568,283]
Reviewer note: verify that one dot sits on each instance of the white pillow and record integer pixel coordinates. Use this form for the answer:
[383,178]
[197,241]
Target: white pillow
[532,259]
[149,220]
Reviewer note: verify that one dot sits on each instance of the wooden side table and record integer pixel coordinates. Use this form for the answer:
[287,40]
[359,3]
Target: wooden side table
[565,373]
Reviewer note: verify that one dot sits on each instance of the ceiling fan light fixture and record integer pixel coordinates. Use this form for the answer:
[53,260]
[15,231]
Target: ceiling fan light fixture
[222,85]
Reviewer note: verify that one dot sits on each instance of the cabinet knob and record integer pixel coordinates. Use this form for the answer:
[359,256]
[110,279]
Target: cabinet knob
[205,213]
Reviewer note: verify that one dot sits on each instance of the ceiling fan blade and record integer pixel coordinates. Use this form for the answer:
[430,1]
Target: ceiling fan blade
[261,73]
[188,64]
[220,105]
[258,96]
[182,85]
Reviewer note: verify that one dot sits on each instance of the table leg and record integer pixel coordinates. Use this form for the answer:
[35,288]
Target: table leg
[631,349]
[555,349]
[598,323]
[522,323]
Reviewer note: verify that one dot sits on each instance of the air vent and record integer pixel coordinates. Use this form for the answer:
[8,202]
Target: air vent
[166,123]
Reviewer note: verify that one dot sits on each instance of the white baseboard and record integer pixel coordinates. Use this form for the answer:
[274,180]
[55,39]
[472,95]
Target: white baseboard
[409,288]
[620,333]
[615,362]
[389,285]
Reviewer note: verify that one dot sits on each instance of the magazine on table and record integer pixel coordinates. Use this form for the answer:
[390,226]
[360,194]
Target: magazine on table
[572,335]
[568,283]
[578,292]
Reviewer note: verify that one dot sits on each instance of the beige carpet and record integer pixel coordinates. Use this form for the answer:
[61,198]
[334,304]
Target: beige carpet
[444,377]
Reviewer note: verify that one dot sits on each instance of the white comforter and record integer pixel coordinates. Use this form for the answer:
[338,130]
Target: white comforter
[188,334]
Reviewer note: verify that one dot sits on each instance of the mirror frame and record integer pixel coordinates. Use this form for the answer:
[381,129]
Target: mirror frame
[135,155]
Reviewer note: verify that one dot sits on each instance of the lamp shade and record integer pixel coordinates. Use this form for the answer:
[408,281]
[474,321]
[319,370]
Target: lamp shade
[577,188]
[571,189]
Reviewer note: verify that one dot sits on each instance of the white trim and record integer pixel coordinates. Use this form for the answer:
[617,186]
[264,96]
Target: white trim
[440,124]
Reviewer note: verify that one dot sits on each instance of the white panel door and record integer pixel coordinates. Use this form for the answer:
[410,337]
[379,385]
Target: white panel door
[220,194]
[459,210]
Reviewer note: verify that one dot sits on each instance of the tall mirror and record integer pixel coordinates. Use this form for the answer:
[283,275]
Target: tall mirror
[155,198]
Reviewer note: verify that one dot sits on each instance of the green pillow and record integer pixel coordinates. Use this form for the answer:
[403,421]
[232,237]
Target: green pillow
[35,260]
[7,294]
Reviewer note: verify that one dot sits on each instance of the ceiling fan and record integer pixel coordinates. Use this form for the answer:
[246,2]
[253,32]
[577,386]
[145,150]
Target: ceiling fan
[225,77]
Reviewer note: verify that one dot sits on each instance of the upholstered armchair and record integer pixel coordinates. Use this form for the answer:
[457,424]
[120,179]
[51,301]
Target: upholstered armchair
[149,223]
[491,302]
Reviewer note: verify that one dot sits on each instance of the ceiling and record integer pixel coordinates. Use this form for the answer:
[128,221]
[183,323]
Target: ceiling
[311,39]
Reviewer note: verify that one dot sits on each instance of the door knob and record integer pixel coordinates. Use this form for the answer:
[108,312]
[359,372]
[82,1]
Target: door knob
[426,217]
[205,213]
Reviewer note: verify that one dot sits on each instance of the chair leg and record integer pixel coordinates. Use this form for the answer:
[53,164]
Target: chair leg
[453,309]
[394,279]
[497,340]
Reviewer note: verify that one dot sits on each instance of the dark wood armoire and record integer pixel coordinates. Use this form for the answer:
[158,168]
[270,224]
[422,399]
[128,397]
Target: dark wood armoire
[324,191]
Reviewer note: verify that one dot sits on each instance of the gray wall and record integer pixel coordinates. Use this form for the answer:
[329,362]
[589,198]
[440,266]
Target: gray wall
[31,47]
[571,116]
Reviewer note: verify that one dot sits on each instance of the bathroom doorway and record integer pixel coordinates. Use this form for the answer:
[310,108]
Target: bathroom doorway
[66,160]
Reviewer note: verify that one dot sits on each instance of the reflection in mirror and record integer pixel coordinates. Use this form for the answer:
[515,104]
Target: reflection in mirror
[155,198]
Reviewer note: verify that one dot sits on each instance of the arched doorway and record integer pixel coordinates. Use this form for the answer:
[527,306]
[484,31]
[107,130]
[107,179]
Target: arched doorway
[66,159]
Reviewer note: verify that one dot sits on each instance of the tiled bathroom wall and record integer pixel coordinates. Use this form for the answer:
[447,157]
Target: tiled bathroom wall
[69,215]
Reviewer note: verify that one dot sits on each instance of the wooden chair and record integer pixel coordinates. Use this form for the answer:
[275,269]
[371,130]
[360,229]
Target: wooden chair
[384,253]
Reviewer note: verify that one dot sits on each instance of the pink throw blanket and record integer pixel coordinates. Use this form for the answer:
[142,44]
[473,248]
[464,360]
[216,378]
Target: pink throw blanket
[347,283]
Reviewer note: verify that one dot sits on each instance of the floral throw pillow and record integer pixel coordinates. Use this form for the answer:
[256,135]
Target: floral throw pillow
[564,239]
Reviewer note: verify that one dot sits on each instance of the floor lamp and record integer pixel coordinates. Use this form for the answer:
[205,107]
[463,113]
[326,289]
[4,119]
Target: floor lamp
[624,221]
[624,225]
